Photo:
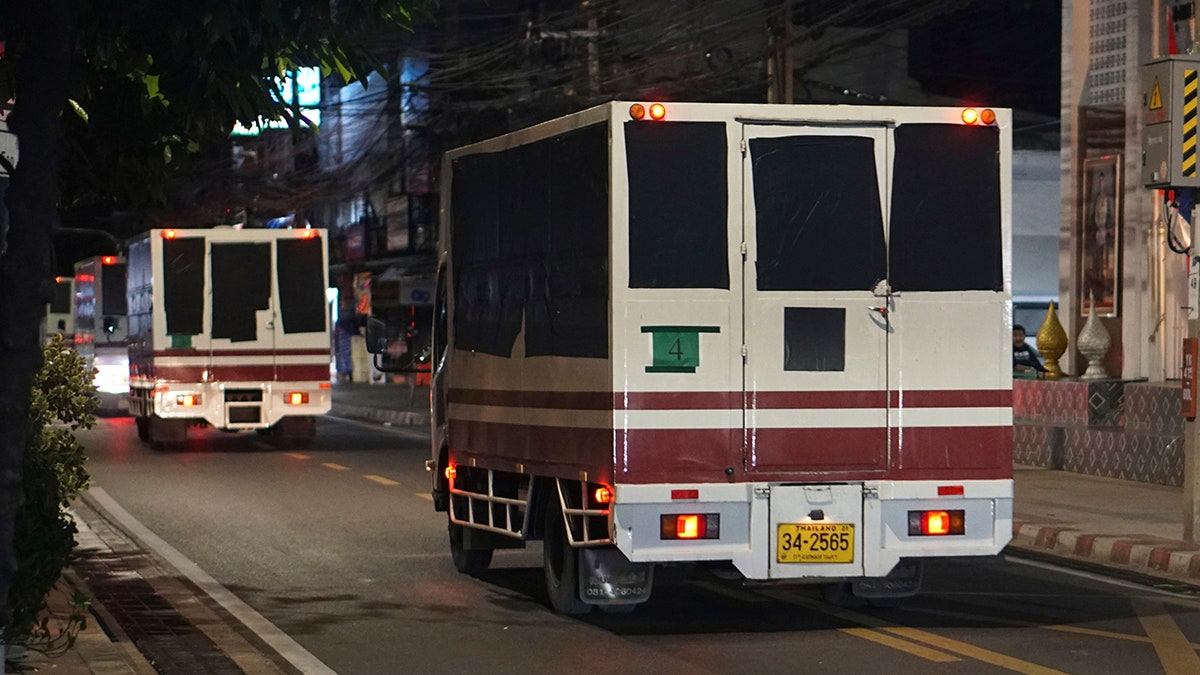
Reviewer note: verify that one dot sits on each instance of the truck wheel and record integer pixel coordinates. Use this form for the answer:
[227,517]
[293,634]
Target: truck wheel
[143,428]
[165,434]
[294,432]
[560,564]
[467,560]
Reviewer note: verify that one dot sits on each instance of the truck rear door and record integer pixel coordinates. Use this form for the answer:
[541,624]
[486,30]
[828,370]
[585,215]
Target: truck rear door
[815,299]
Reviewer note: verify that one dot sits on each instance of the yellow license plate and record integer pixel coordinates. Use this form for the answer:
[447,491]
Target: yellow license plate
[814,543]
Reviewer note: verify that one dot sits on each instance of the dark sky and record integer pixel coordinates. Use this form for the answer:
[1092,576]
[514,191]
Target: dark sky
[1004,53]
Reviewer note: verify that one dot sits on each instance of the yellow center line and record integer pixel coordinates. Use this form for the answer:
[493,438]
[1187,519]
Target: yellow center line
[1107,634]
[335,467]
[381,480]
[1175,651]
[986,655]
[917,635]
[295,455]
[425,495]
[903,645]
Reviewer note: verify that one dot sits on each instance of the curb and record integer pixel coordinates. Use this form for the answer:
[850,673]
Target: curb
[1163,556]
[401,417]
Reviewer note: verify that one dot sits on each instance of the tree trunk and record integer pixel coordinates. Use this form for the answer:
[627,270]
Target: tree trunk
[42,65]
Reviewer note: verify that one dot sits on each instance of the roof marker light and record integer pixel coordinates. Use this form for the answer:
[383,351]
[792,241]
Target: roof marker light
[970,115]
[169,234]
[657,111]
[637,111]
[108,260]
[988,116]
[309,233]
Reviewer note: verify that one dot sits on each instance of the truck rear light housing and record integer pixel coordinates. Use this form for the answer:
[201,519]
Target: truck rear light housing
[936,523]
[690,526]
[296,397]
[187,400]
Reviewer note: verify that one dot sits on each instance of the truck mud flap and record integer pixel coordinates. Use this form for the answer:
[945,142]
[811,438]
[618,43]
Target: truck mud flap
[903,581]
[606,577]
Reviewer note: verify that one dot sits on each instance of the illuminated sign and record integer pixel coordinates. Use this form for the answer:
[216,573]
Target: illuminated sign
[306,85]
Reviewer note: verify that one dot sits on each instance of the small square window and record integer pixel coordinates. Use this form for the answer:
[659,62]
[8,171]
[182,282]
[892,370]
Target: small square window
[814,338]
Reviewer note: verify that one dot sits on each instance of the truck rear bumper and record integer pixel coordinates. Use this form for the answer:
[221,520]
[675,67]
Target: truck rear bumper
[756,522]
[231,405]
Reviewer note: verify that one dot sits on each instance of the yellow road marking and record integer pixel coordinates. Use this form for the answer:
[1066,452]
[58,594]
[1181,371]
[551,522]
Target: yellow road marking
[903,645]
[1107,634]
[335,467]
[931,639]
[295,455]
[381,480]
[1175,651]
[426,496]
[986,655]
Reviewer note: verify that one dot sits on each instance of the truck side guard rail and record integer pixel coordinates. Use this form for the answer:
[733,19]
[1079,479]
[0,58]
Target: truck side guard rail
[491,512]
[582,522]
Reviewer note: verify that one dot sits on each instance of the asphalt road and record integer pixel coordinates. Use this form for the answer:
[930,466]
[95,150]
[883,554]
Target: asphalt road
[338,546]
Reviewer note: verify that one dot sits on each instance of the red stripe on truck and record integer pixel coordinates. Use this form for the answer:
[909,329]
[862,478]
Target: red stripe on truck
[733,400]
[244,373]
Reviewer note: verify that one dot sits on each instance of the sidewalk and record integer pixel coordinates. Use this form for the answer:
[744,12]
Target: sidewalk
[1116,523]
[1120,524]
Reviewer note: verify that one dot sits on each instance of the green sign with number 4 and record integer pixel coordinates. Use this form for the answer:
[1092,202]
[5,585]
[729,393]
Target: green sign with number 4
[676,349]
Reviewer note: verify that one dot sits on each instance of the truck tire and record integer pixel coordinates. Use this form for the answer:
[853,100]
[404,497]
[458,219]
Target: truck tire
[467,560]
[166,433]
[560,564]
[294,432]
[143,428]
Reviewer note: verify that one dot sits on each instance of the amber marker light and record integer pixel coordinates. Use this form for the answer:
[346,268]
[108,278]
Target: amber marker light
[970,115]
[602,495]
[657,111]
[58,280]
[451,472]
[988,116]
[109,260]
[637,111]
[309,233]
[169,234]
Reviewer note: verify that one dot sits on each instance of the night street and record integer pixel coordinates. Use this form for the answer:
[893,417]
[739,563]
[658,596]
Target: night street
[338,546]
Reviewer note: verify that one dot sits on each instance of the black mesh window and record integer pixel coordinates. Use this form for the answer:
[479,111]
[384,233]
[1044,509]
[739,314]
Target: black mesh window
[814,338]
[113,288]
[183,285]
[530,241]
[678,201]
[945,218]
[819,223]
[241,279]
[301,285]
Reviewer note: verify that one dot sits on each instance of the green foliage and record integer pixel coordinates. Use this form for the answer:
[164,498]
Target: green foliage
[153,82]
[63,402]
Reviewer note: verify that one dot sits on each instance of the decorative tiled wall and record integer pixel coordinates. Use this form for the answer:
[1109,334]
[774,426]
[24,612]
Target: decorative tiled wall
[1127,430]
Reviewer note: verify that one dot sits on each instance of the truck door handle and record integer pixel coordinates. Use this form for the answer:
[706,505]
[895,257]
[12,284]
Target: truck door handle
[882,311]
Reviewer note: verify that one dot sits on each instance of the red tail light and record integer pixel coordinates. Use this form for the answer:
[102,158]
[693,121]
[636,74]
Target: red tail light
[936,523]
[690,526]
[296,397]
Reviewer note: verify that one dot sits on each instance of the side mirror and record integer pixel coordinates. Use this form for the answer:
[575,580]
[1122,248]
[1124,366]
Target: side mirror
[376,335]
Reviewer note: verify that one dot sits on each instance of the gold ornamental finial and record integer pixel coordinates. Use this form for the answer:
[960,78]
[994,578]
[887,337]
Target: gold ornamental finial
[1052,343]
